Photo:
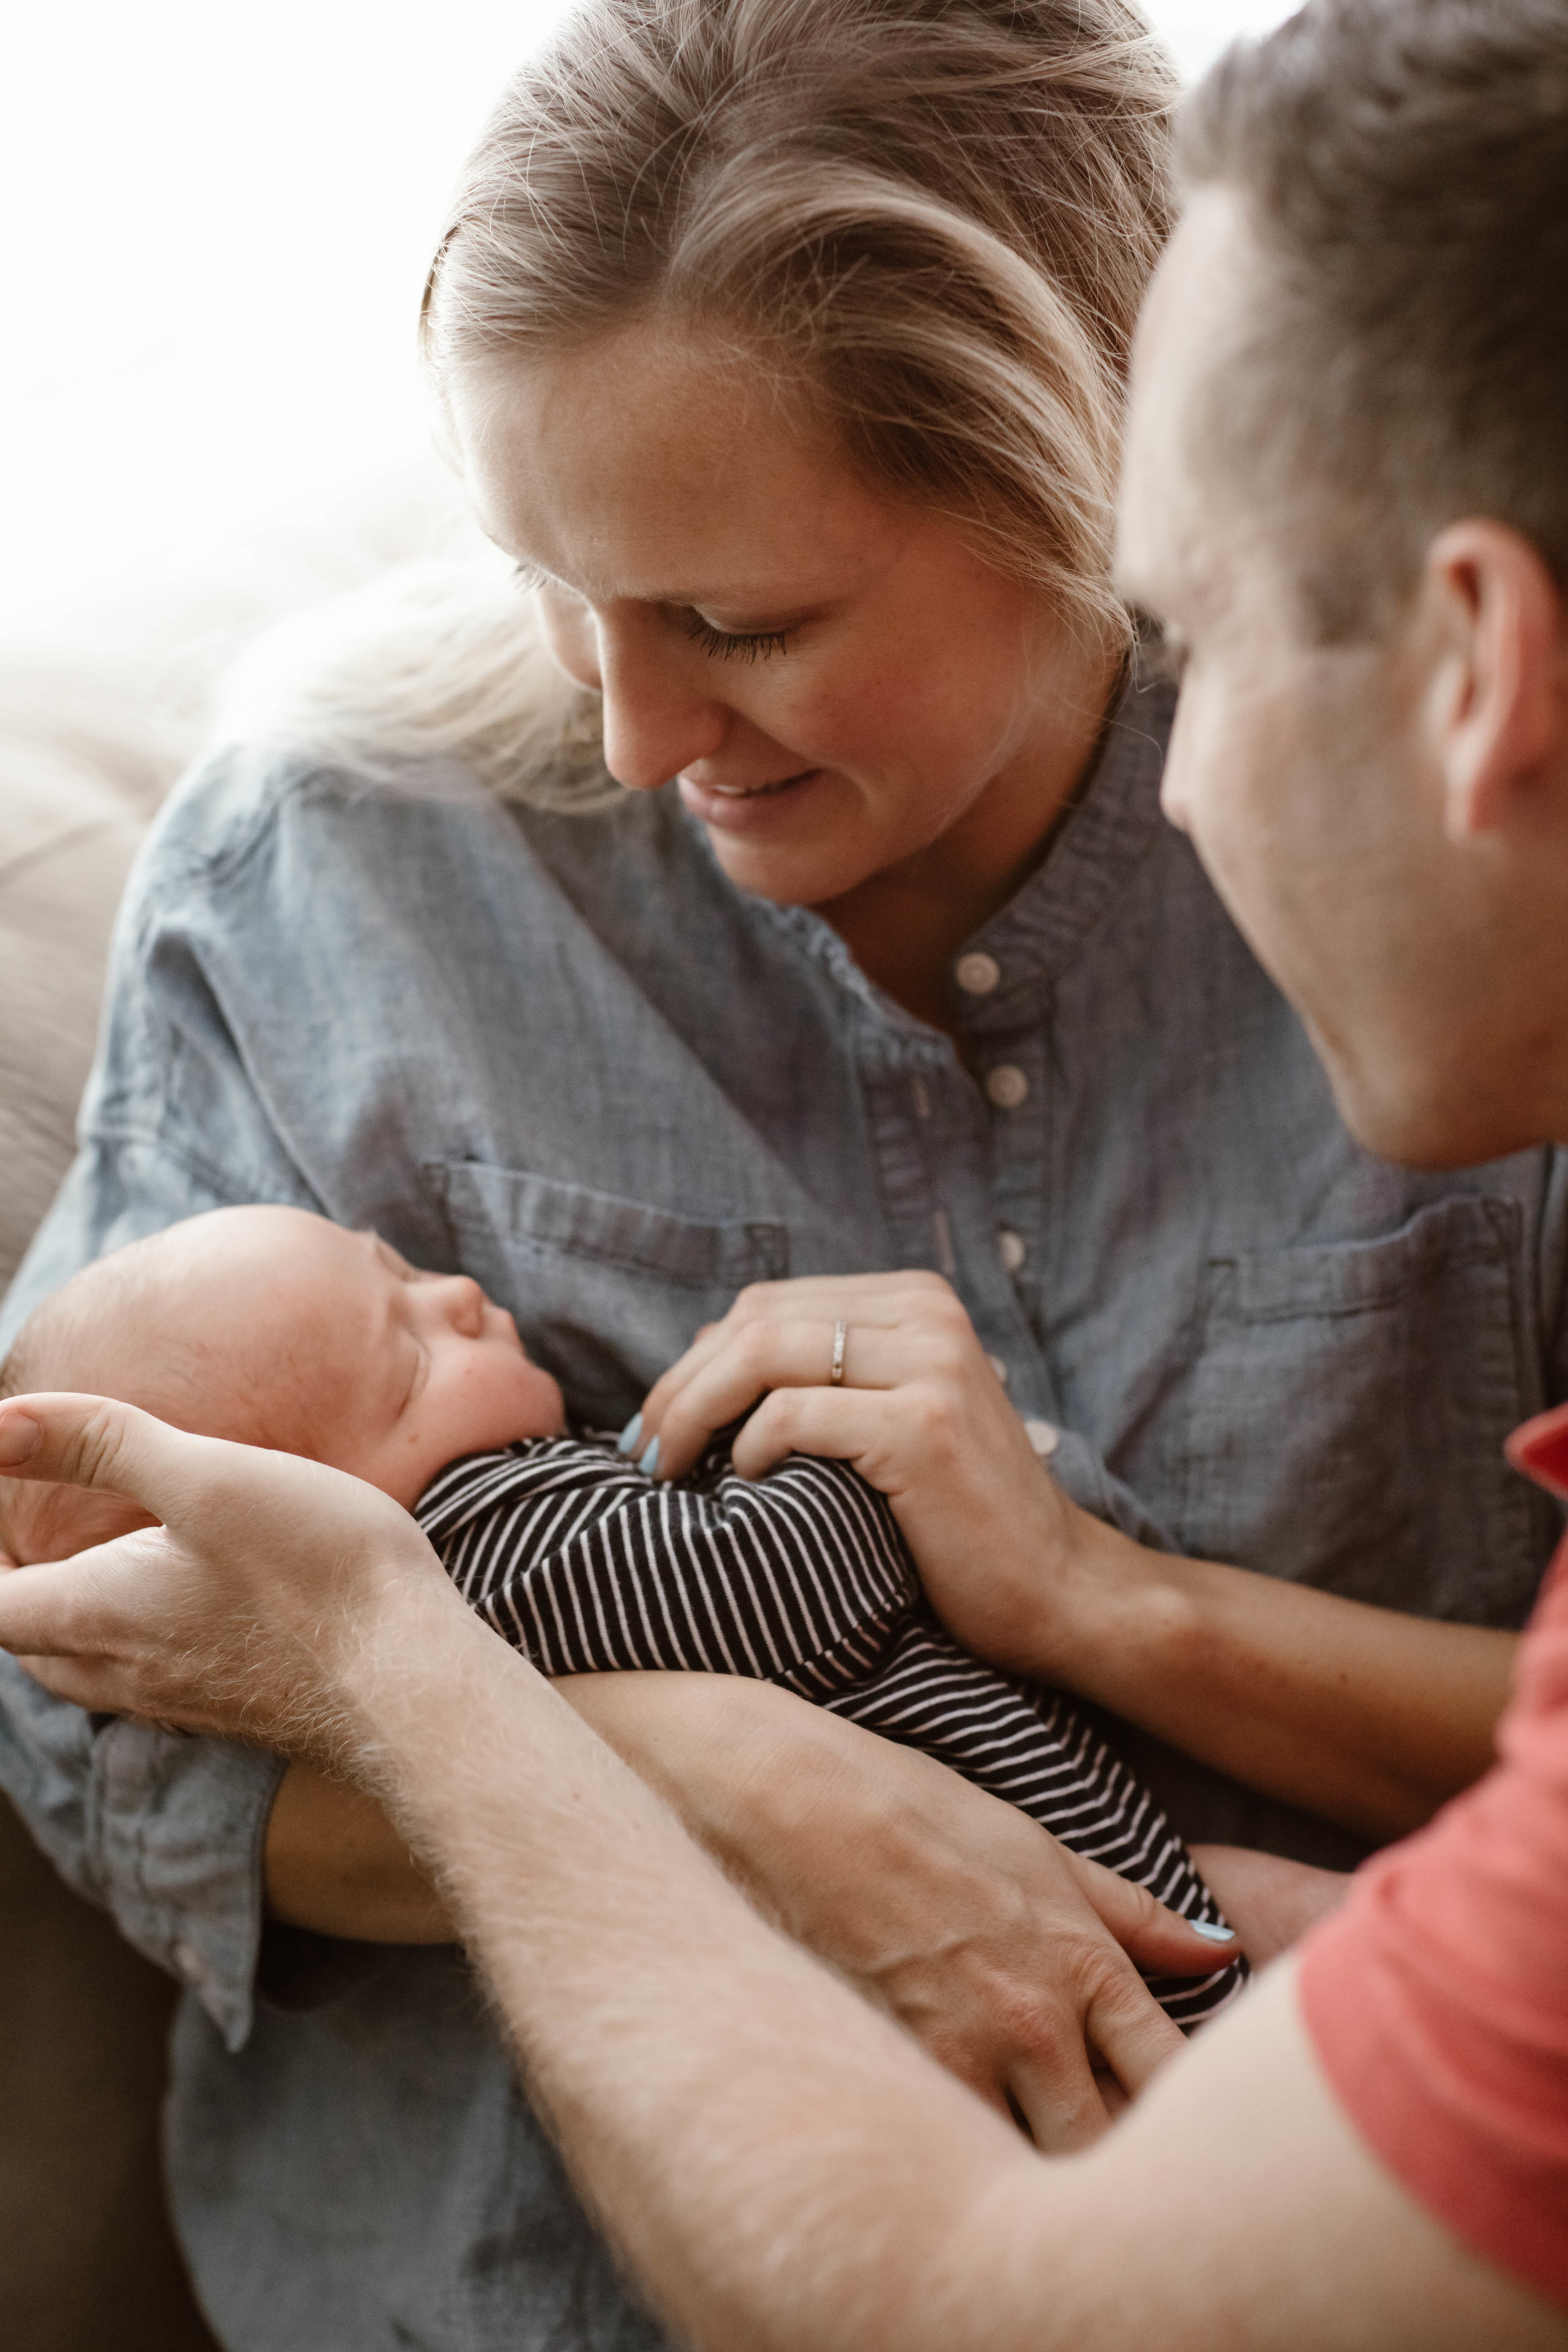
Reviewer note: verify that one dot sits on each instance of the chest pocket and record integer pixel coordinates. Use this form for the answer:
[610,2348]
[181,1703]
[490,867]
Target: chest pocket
[607,1292]
[1348,1416]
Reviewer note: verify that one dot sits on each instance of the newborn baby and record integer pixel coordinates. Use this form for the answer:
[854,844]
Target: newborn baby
[275,1327]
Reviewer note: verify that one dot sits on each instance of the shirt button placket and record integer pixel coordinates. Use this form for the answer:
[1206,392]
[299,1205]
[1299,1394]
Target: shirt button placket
[1006,1086]
[977,974]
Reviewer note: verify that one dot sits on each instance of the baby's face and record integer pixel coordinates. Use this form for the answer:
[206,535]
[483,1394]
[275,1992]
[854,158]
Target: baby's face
[447,1373]
[328,1343]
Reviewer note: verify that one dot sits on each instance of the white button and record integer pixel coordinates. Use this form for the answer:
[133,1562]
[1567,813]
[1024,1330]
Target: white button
[1043,1438]
[1012,1249]
[1006,1085]
[977,974]
[999,1368]
[189,1962]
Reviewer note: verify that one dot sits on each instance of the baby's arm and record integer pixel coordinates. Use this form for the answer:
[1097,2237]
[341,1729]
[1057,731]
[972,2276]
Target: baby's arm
[582,1562]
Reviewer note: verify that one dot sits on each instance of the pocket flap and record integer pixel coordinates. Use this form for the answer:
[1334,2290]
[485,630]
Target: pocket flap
[580,1222]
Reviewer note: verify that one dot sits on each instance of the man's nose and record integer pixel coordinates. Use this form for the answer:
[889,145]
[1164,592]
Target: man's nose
[660,715]
[1174,797]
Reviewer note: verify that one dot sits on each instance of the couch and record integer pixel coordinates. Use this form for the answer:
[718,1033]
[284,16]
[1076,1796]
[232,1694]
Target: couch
[98,715]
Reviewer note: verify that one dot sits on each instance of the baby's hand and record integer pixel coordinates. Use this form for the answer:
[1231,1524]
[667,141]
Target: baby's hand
[919,1411]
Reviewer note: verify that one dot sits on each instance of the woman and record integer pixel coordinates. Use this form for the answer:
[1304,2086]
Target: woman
[781,344]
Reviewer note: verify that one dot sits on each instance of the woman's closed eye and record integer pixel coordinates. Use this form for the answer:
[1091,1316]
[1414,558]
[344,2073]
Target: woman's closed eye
[726,645]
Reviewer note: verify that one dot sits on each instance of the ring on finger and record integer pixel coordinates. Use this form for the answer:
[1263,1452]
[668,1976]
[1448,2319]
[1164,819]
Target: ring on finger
[835,1370]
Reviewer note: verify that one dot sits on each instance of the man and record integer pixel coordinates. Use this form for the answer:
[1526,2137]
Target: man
[1347,499]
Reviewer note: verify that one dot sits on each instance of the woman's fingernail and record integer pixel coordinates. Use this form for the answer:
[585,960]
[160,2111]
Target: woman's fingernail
[649,1462]
[20,1439]
[626,1442]
[1212,1932]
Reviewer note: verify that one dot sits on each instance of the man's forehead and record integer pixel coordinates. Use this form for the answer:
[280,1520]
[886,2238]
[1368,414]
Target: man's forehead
[1171,525]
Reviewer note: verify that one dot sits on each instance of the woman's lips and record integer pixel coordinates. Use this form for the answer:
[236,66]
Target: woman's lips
[745,808]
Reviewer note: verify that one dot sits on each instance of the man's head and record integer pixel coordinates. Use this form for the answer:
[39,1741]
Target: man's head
[271,1326]
[1346,496]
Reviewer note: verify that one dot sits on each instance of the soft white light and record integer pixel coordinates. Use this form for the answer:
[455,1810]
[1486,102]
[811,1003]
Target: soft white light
[216,220]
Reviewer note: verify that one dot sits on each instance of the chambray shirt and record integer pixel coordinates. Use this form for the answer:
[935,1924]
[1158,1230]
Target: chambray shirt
[563,1054]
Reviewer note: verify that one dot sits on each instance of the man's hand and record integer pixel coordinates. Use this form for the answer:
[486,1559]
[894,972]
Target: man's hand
[285,1604]
[253,1609]
[1007,1956]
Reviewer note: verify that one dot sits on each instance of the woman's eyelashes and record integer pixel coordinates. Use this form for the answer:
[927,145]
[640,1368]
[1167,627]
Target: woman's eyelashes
[725,644]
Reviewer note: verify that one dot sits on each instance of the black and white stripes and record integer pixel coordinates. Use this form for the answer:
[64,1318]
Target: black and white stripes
[801,1578]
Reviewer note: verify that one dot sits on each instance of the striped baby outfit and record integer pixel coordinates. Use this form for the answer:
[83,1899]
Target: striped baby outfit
[803,1579]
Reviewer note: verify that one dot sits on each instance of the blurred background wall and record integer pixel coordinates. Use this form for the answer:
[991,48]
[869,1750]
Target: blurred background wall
[215,221]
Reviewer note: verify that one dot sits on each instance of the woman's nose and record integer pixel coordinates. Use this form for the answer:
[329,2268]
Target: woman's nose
[660,714]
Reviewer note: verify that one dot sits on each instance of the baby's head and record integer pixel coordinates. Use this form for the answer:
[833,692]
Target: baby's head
[275,1327]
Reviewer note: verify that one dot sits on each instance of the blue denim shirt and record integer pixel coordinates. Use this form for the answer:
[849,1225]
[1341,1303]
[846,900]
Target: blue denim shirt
[564,1053]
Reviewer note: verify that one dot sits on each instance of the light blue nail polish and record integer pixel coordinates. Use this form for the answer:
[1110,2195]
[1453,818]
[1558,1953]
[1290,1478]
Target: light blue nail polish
[649,1462]
[1209,1930]
[626,1442]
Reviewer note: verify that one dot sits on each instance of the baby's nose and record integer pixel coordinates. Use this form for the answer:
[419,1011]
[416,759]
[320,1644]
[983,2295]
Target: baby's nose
[464,1302]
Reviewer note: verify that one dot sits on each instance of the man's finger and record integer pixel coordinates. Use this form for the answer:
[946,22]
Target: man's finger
[1061,2104]
[1160,1941]
[88,1441]
[70,1608]
[1132,2032]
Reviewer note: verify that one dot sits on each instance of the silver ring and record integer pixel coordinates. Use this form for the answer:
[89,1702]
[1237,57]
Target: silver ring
[835,1370]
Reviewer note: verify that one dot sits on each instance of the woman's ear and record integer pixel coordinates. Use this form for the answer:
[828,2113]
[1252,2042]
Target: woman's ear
[1501,712]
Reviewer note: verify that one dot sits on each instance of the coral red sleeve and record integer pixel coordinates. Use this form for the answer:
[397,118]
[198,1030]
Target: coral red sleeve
[1437,1996]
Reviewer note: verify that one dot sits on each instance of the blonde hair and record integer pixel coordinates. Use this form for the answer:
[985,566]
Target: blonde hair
[938,221]
[931,221]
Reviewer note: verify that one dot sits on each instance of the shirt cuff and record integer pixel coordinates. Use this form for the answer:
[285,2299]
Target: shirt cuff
[1082,1475]
[176,1830]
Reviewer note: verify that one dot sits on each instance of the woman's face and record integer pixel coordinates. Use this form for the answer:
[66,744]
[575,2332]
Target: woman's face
[835,679]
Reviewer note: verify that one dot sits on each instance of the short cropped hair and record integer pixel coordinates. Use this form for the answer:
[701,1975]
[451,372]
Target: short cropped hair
[1403,169]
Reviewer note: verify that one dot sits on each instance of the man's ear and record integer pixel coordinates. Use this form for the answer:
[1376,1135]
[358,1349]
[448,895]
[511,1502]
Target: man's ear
[1500,712]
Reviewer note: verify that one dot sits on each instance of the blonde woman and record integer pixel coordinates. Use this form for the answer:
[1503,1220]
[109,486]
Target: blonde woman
[781,344]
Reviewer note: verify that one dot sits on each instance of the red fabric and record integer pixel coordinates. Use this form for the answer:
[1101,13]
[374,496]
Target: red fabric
[1437,1996]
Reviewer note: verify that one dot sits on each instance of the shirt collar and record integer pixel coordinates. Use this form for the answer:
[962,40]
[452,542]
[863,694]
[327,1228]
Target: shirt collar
[1037,935]
[1106,838]
[1541,1450]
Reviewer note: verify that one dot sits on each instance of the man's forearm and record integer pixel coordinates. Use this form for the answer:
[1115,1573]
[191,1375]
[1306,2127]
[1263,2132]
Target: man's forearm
[725,2102]
[788,2172]
[721,1751]
[1363,1716]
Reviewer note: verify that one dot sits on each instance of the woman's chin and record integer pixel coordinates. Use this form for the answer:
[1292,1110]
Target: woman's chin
[793,847]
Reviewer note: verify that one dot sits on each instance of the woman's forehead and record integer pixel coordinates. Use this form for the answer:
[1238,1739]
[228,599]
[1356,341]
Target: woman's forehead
[651,468]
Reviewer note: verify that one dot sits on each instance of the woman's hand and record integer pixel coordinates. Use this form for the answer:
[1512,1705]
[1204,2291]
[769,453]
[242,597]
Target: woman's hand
[1365,1715]
[922,1415]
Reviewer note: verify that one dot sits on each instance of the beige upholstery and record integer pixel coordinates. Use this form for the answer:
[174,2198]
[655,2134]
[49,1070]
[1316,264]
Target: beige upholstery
[97,718]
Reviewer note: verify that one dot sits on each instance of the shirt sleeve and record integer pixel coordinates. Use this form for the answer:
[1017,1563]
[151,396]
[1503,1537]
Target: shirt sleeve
[164,1832]
[1435,1996]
